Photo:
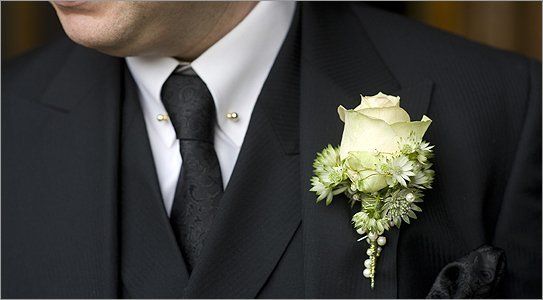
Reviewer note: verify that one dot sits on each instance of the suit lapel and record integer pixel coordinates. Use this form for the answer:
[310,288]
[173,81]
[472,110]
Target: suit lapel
[152,265]
[72,143]
[415,98]
[339,62]
[260,210]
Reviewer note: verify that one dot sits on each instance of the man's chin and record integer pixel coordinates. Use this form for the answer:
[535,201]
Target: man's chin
[108,45]
[71,4]
[88,8]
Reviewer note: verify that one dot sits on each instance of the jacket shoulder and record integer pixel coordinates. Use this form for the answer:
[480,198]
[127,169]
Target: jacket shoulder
[434,53]
[30,72]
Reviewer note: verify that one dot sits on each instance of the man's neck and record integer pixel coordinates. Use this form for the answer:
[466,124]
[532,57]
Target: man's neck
[227,20]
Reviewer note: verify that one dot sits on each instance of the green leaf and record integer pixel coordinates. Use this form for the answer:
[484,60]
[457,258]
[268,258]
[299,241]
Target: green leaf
[386,206]
[321,197]
[339,191]
[411,214]
[397,222]
[329,199]
[415,207]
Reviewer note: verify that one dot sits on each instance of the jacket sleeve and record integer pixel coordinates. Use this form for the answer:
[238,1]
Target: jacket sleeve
[518,228]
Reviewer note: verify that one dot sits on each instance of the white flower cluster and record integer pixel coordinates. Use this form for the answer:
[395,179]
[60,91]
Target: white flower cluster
[330,175]
[386,185]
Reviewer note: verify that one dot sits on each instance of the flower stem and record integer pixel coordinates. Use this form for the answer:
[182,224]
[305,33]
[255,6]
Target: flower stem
[375,252]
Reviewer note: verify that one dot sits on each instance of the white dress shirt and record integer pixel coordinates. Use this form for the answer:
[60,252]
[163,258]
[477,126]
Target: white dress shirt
[234,70]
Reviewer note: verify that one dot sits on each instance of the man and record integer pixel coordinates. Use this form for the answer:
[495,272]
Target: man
[106,193]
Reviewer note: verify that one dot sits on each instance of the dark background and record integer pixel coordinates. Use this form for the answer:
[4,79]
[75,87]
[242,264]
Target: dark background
[514,26]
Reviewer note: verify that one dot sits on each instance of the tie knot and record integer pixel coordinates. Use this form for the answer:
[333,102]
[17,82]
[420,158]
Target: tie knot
[190,107]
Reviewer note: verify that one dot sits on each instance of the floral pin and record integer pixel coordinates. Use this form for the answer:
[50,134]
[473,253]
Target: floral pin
[382,165]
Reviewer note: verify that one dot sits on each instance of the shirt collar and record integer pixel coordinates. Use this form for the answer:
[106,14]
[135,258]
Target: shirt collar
[150,73]
[234,69]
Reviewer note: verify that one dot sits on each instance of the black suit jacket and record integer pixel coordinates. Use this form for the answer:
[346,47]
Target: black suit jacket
[62,115]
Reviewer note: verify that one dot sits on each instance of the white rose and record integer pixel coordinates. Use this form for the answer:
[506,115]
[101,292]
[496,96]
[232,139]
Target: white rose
[361,171]
[377,125]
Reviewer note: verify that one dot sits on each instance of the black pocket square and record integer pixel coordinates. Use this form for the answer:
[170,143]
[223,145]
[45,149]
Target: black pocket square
[476,275]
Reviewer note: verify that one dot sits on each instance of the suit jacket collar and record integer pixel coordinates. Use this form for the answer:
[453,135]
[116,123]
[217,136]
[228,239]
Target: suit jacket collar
[338,63]
[84,72]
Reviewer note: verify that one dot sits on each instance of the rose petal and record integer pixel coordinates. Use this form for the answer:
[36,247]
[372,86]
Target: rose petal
[362,133]
[418,128]
[359,160]
[364,165]
[391,115]
[341,112]
[378,101]
[372,181]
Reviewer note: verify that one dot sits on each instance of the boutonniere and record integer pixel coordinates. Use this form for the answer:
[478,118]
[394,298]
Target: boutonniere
[382,166]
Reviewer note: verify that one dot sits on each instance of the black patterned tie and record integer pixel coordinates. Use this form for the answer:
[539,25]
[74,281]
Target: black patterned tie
[191,110]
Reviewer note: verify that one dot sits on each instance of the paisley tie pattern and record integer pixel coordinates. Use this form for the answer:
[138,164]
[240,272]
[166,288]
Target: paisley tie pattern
[191,110]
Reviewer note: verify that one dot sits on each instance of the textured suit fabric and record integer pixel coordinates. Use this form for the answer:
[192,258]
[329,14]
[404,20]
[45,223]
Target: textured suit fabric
[191,110]
[60,190]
